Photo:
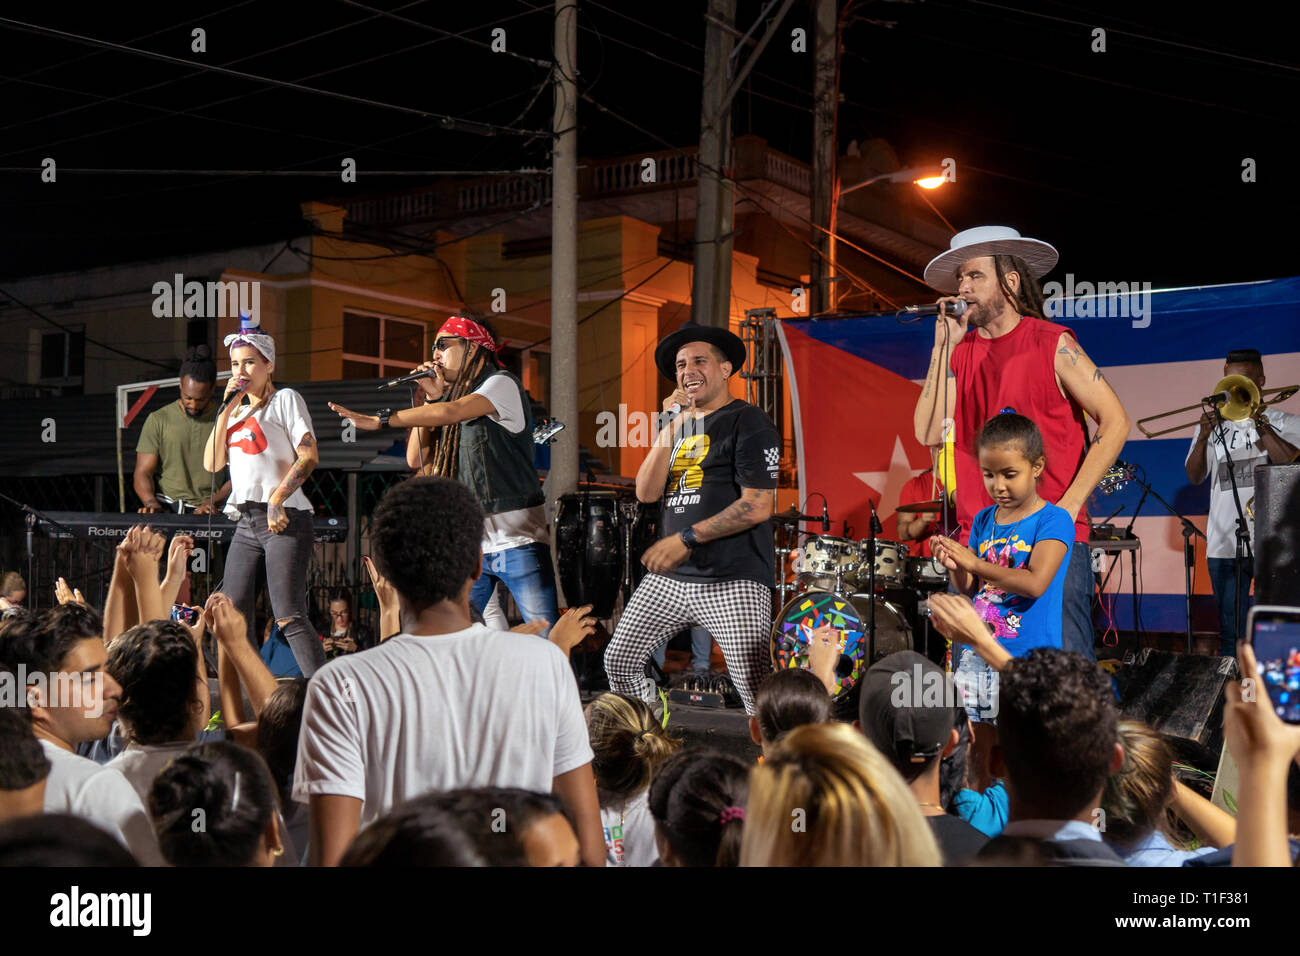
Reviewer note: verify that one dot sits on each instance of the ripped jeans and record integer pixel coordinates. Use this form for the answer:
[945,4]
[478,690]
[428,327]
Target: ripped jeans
[287,555]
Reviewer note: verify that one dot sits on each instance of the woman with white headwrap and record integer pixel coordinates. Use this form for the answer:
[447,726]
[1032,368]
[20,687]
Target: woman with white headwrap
[265,434]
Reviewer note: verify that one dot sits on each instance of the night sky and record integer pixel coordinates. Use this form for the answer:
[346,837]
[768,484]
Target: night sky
[1130,161]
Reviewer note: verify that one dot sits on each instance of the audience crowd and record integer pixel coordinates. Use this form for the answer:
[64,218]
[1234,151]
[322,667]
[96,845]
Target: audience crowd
[440,741]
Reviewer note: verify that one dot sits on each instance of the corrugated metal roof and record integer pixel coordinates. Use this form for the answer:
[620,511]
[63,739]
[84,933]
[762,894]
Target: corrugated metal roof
[85,441]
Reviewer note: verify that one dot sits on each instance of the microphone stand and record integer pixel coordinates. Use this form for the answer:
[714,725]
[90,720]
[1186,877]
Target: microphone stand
[1243,533]
[1190,531]
[873,528]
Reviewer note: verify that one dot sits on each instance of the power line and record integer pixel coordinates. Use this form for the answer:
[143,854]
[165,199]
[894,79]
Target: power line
[1141,36]
[446,120]
[447,34]
[424,173]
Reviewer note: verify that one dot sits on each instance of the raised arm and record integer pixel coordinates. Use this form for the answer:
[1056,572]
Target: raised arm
[936,402]
[120,611]
[144,574]
[214,451]
[1084,383]
[231,629]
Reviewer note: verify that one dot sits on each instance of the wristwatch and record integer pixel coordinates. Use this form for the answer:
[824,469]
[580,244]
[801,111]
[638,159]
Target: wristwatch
[384,414]
[688,537]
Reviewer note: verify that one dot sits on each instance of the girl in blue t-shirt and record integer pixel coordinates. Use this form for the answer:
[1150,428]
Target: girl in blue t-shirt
[1015,565]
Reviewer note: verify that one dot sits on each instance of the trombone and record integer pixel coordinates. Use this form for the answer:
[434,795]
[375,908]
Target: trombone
[1244,400]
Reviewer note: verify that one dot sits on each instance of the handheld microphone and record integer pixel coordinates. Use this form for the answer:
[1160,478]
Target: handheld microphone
[414,376]
[949,308]
[235,396]
[956,308]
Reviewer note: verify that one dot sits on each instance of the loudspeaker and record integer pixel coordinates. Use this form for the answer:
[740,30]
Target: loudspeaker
[1179,696]
[1277,534]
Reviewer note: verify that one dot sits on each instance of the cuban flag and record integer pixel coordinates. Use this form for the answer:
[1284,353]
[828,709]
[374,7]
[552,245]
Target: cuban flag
[854,384]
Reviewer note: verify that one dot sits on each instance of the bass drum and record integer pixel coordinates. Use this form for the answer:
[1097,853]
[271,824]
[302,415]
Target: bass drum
[806,612]
[589,549]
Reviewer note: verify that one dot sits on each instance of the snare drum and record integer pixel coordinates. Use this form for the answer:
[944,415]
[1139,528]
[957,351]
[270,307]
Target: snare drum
[926,574]
[890,562]
[820,556]
[848,615]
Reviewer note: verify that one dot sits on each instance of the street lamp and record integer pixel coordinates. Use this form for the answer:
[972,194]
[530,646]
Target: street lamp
[926,177]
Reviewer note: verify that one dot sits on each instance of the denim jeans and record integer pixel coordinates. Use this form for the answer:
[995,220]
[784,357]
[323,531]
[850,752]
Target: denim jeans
[287,555]
[1223,578]
[701,650]
[526,572]
[1076,603]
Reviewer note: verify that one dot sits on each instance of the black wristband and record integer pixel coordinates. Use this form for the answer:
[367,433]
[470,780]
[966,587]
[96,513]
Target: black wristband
[688,537]
[384,414]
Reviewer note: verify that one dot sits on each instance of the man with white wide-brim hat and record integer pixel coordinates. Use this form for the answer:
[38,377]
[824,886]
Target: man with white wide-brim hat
[1003,354]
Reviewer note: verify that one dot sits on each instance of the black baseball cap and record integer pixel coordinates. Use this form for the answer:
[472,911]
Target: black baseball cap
[908,707]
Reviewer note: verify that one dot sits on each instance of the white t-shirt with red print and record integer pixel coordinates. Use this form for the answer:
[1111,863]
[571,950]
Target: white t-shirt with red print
[262,445]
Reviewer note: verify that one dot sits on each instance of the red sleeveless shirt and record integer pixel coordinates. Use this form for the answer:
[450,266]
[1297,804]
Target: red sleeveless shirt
[1015,371]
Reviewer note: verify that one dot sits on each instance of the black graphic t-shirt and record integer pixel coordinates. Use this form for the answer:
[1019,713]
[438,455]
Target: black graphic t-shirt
[735,447]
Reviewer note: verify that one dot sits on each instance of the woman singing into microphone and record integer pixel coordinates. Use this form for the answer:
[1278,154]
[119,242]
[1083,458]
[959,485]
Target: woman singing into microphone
[269,446]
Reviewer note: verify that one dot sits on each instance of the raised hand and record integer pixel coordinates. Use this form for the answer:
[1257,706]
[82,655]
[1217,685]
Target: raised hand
[181,547]
[824,655]
[152,544]
[367,423]
[67,595]
[574,625]
[224,619]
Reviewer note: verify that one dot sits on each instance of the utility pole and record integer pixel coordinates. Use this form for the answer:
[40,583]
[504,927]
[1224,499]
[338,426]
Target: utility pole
[711,281]
[826,83]
[563,475]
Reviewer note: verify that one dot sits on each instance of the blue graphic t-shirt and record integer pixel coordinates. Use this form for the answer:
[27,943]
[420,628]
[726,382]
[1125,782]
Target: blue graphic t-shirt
[1021,623]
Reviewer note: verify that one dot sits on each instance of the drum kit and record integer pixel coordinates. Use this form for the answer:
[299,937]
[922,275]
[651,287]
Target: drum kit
[857,587]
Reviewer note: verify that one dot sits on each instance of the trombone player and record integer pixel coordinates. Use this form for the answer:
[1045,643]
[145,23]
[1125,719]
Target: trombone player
[1269,437]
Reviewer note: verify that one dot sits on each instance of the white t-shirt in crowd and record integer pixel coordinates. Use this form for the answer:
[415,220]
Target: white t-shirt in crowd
[629,830]
[102,796]
[140,764]
[1247,453]
[475,708]
[262,445]
[510,529]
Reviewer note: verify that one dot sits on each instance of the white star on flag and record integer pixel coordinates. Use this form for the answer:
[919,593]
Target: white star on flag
[889,484]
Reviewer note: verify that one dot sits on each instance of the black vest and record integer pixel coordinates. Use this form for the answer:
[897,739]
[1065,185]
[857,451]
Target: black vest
[496,465]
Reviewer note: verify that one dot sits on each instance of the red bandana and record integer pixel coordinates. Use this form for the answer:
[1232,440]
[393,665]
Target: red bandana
[469,330]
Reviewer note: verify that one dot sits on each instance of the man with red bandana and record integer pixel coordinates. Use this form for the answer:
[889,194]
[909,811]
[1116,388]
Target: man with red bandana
[472,422]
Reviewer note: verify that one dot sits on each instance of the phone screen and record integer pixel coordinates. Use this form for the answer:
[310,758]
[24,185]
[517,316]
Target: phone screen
[1276,638]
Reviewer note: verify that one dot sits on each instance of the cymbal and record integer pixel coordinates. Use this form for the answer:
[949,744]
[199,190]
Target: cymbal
[921,507]
[791,515]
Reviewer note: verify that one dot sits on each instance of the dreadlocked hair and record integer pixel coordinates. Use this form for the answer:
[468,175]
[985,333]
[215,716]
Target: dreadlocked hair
[1029,300]
[446,440]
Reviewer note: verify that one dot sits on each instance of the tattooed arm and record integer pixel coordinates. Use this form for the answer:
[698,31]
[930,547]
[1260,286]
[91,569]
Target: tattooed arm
[754,506]
[1083,382]
[931,407]
[308,458]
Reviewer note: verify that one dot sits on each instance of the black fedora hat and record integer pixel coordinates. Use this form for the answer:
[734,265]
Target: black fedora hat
[666,352]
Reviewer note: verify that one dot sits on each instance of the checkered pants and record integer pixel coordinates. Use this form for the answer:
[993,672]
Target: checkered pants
[737,613]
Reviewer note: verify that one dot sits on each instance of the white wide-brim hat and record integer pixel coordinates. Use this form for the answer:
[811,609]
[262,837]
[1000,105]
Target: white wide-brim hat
[969,244]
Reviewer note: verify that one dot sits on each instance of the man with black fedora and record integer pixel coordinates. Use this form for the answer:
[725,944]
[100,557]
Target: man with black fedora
[714,467]
[1003,354]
